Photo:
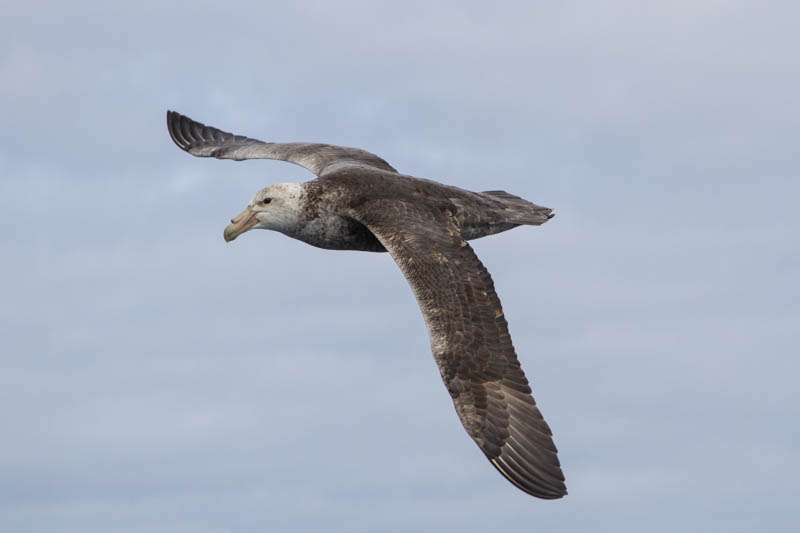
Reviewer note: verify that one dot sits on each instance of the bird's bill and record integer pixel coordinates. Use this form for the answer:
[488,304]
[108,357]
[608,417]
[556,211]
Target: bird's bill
[240,224]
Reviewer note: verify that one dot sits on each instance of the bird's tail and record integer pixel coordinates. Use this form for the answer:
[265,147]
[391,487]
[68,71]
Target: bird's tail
[517,210]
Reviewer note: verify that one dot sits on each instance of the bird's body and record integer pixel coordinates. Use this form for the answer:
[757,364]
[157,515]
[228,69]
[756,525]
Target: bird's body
[359,202]
[325,208]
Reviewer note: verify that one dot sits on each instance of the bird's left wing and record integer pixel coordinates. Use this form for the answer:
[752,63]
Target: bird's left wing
[206,141]
[470,340]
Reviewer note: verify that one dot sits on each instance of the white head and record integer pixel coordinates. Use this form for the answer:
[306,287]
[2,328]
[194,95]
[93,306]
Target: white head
[276,207]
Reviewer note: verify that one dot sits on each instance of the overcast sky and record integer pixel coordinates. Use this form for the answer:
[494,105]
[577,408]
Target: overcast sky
[155,379]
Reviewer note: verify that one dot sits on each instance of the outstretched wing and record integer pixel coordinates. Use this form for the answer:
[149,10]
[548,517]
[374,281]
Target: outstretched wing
[470,341]
[205,141]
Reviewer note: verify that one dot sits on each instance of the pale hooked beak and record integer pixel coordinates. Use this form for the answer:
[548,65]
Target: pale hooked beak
[240,224]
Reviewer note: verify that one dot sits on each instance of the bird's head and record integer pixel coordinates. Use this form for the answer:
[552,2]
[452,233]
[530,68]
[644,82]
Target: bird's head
[276,207]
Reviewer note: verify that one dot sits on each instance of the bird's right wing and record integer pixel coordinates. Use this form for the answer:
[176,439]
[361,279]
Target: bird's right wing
[205,141]
[470,340]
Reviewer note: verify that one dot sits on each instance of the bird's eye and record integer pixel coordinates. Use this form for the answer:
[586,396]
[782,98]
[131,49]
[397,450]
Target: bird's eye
[266,200]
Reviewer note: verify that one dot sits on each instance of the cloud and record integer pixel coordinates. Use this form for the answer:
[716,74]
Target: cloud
[156,379]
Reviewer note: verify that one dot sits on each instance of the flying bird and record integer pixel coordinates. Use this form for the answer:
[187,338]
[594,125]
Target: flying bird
[360,202]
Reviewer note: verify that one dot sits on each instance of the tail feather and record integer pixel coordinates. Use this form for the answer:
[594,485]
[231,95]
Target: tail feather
[520,211]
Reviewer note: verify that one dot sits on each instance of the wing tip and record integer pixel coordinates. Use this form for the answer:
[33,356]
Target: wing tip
[187,133]
[198,139]
[545,489]
[174,122]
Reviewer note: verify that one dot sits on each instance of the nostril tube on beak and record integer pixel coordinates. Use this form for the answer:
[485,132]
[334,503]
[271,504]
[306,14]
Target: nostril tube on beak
[241,223]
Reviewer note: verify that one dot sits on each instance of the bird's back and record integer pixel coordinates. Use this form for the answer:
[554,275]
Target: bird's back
[478,214]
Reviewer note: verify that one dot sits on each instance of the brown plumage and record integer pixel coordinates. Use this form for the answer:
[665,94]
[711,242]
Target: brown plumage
[359,202]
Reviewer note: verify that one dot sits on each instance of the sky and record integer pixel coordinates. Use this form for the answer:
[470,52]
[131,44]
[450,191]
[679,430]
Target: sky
[154,378]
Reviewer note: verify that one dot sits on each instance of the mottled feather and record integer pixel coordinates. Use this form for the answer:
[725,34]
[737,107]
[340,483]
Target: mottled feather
[470,340]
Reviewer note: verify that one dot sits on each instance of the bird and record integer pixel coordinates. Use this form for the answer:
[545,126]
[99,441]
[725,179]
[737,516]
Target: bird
[358,201]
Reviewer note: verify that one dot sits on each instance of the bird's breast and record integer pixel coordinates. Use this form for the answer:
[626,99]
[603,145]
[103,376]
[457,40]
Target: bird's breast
[336,232]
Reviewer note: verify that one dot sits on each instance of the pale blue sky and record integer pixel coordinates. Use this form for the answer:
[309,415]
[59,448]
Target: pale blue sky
[154,378]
